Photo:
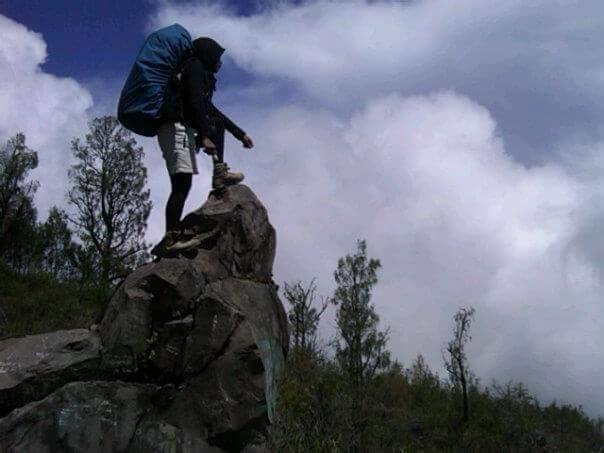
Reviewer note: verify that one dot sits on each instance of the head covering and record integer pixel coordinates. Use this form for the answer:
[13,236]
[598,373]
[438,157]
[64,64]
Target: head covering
[208,51]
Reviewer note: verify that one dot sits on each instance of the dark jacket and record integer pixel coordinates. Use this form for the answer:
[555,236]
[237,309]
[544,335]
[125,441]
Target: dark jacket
[190,99]
[198,110]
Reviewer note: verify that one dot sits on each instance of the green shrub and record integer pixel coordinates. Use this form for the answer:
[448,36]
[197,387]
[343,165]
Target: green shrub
[413,410]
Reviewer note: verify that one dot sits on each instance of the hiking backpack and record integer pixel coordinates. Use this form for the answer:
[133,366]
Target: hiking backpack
[159,59]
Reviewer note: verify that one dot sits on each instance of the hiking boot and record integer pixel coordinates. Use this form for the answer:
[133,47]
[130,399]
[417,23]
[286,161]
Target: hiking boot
[222,177]
[181,245]
[168,241]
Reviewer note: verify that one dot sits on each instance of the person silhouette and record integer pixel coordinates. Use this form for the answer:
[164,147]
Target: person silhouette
[192,122]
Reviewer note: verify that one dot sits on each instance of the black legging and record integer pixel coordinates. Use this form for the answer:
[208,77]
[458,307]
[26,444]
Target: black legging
[181,182]
[216,134]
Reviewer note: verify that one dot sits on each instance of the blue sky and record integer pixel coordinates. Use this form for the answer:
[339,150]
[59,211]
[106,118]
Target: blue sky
[91,38]
[463,140]
[85,38]
[96,41]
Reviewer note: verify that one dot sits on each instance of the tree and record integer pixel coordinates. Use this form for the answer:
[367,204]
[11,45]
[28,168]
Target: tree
[419,373]
[17,212]
[303,315]
[360,347]
[456,361]
[56,248]
[108,194]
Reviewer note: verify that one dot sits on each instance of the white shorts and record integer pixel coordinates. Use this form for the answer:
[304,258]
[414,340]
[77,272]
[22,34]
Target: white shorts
[177,143]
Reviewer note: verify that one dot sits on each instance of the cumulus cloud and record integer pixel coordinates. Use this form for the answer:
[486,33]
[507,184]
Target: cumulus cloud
[407,124]
[455,220]
[538,67]
[458,139]
[49,110]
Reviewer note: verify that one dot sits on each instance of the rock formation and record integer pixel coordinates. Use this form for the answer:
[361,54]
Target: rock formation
[186,358]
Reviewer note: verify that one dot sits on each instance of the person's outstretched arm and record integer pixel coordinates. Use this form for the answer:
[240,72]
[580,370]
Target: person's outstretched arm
[229,125]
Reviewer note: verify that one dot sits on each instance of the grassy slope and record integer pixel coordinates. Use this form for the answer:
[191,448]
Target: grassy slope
[35,303]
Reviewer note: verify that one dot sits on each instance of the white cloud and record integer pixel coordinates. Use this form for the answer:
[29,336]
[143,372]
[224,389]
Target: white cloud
[455,220]
[362,151]
[449,199]
[49,110]
[328,47]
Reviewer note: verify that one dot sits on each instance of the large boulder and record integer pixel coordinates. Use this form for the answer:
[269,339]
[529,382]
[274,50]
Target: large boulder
[33,366]
[196,341]
[95,416]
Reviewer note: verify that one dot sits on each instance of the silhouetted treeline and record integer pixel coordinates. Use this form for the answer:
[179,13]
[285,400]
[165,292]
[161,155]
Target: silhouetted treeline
[58,273]
[349,396]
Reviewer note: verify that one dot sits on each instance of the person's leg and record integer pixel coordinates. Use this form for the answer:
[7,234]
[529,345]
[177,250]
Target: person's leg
[181,184]
[178,150]
[217,137]
[221,176]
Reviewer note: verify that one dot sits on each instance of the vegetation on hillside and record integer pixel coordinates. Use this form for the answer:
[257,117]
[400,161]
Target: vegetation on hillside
[349,397]
[59,273]
[36,302]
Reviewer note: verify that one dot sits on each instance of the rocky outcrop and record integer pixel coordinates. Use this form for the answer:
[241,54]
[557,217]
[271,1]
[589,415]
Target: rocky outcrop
[31,367]
[186,358]
[95,416]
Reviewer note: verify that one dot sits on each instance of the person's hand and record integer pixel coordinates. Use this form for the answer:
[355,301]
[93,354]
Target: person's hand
[247,141]
[208,146]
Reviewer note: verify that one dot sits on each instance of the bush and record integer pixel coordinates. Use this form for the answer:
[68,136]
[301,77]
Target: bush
[412,410]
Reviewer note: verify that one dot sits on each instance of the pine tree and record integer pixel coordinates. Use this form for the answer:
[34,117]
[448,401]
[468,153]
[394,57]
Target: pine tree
[360,346]
[109,196]
[57,251]
[17,212]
